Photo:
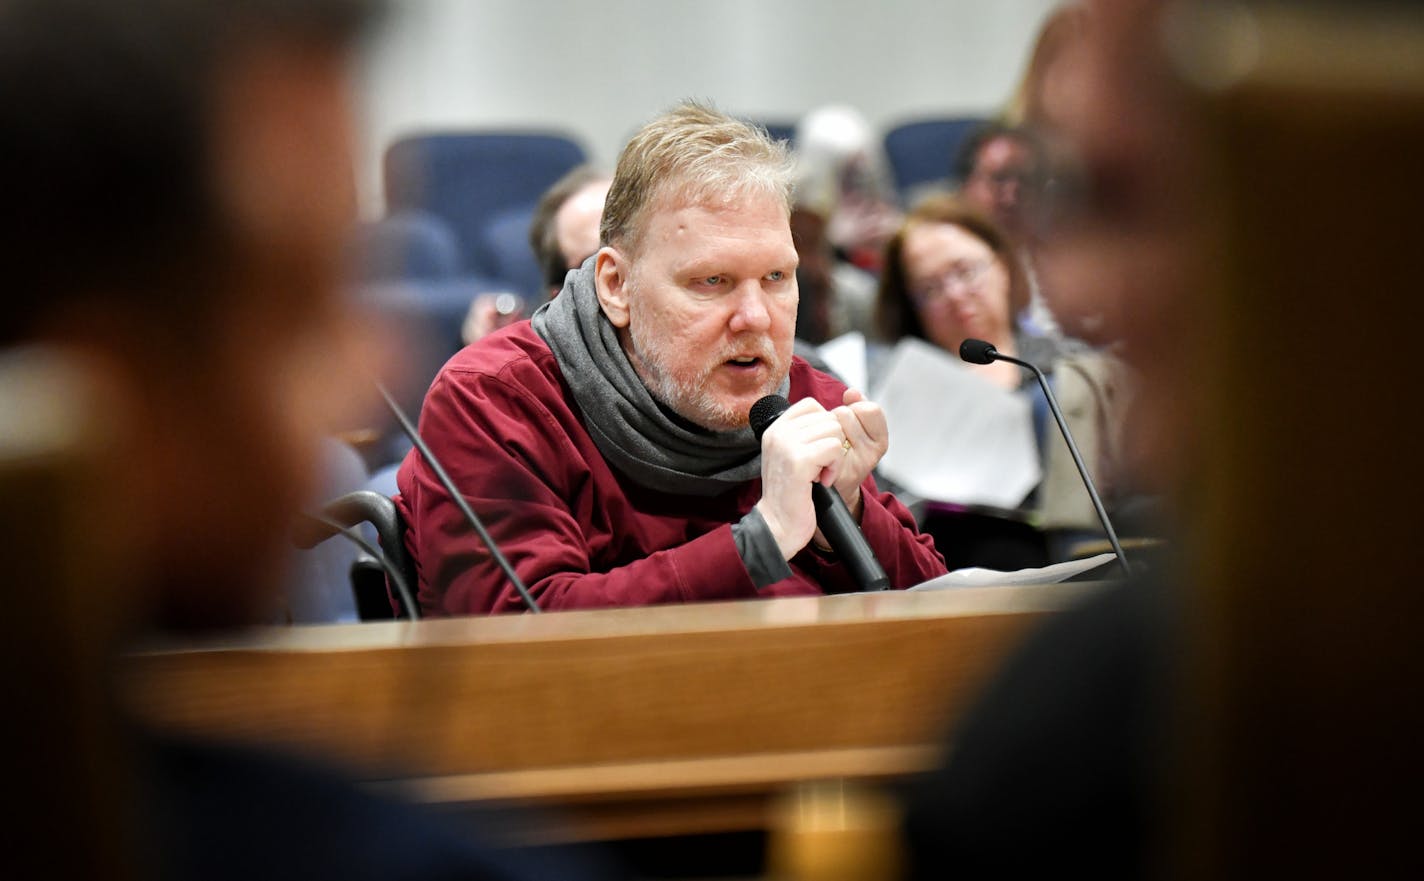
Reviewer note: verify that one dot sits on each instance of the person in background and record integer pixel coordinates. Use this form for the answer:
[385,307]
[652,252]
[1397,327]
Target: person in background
[843,175]
[562,234]
[836,297]
[1002,172]
[564,231]
[606,442]
[951,274]
[178,194]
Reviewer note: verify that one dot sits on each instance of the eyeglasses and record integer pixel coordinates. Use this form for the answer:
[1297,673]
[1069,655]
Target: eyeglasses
[960,276]
[1003,177]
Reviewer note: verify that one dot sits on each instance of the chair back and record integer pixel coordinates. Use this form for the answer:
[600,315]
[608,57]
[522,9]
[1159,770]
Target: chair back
[921,153]
[405,246]
[467,178]
[376,598]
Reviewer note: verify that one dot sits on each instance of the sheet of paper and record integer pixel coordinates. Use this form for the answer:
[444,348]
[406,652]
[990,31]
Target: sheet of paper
[845,355]
[977,577]
[955,436]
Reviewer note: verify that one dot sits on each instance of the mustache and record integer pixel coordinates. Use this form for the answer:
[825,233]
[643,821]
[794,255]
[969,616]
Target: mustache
[756,347]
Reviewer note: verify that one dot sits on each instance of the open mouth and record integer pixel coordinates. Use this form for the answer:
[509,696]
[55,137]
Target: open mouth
[749,362]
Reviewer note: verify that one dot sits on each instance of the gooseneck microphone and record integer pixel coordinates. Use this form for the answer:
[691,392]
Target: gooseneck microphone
[459,500]
[981,352]
[832,515]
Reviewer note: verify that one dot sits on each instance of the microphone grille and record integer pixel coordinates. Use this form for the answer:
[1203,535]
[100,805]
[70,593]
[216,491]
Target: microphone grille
[977,351]
[766,411]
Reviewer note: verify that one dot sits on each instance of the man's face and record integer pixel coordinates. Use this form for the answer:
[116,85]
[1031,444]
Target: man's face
[1002,183]
[706,307]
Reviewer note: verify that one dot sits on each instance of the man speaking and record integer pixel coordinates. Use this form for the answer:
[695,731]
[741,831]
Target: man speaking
[605,443]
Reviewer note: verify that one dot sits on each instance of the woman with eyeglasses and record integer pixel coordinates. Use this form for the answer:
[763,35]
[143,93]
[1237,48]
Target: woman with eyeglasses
[949,275]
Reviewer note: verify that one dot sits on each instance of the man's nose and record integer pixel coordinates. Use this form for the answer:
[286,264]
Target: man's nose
[751,312]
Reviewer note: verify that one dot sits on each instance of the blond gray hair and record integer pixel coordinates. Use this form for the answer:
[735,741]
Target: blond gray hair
[692,154]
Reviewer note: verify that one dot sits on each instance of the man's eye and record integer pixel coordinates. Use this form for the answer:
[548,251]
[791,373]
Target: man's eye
[711,281]
[775,275]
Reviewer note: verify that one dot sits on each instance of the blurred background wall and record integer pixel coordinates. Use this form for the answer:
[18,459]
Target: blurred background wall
[599,69]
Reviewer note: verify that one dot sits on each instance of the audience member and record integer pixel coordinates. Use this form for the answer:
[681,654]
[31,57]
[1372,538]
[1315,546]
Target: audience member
[564,232]
[606,443]
[950,274]
[1002,172]
[178,189]
[836,297]
[843,175]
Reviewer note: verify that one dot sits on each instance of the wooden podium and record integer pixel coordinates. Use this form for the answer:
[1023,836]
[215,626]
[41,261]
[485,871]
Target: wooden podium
[623,723]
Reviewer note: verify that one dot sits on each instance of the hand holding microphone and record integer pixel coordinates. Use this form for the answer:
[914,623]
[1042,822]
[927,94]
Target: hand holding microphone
[807,450]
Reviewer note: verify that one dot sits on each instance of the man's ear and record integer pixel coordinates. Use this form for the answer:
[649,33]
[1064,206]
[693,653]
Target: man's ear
[610,279]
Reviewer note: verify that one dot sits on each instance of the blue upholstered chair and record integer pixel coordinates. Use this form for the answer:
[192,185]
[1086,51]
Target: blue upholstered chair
[467,178]
[505,249]
[922,152]
[408,270]
[405,245]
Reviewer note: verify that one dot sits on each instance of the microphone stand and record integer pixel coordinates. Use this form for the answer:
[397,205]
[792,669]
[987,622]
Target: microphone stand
[1072,448]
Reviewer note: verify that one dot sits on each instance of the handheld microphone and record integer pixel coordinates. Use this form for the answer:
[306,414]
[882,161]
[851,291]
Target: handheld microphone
[980,352]
[459,500]
[832,515]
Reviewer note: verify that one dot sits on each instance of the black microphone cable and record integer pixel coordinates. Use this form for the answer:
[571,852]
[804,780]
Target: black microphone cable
[981,352]
[459,500]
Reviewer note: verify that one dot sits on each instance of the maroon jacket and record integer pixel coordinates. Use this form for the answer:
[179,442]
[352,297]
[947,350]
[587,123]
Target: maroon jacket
[503,423]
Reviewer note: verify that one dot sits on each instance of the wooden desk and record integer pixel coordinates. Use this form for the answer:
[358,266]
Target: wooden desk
[627,722]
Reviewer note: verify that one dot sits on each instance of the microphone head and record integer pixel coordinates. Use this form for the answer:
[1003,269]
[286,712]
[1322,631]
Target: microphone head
[766,411]
[977,351]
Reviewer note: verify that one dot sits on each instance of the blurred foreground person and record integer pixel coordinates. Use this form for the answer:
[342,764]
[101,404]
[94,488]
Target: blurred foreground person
[1254,713]
[177,192]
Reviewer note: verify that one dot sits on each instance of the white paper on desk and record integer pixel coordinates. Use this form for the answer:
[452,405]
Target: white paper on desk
[845,355]
[955,436]
[976,577]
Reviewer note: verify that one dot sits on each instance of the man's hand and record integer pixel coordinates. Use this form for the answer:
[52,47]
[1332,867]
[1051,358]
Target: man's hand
[801,447]
[808,444]
[488,313]
[863,424]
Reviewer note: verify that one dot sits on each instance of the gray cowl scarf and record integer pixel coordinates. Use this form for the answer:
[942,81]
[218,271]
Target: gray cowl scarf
[637,435]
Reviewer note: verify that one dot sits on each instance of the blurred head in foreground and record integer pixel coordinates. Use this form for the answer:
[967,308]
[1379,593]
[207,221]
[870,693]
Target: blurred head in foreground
[178,187]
